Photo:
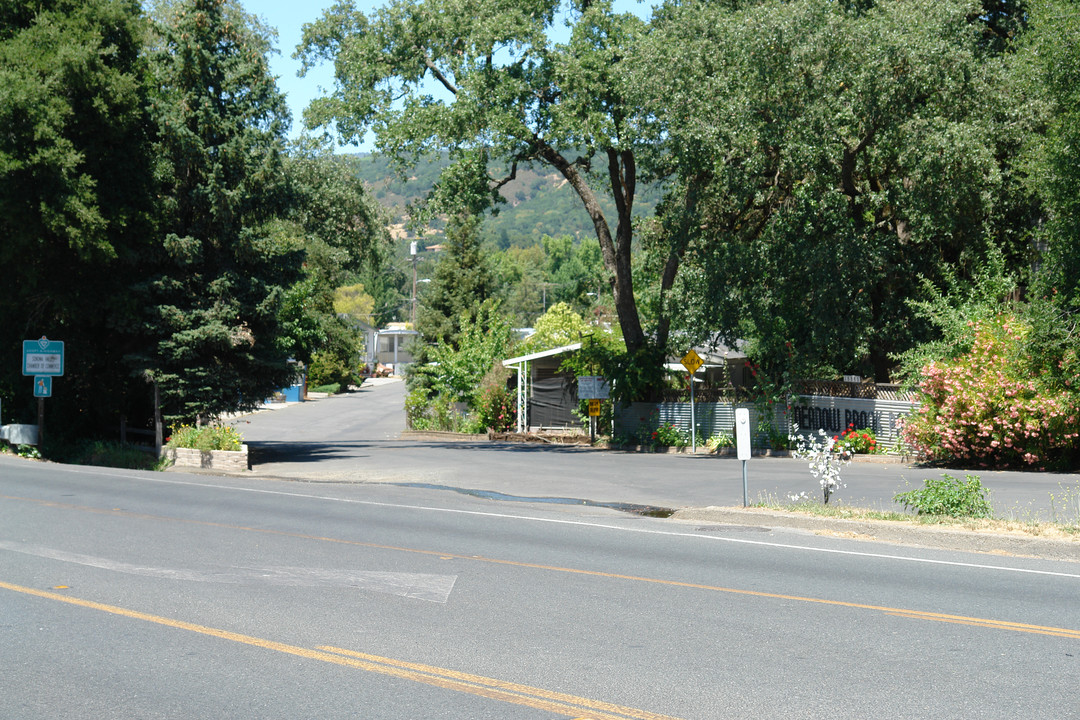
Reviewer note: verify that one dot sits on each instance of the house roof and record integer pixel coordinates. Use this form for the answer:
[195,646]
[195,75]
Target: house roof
[397,328]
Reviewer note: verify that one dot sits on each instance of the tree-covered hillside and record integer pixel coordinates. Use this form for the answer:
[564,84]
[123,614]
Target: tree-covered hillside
[537,202]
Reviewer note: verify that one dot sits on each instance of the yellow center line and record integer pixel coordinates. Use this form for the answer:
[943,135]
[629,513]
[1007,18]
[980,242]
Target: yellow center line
[512,687]
[895,612]
[536,698]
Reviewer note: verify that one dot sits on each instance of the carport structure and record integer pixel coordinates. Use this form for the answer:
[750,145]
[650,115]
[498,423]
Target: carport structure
[521,365]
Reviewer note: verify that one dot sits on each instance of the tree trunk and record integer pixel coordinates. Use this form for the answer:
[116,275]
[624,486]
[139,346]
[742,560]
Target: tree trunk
[615,251]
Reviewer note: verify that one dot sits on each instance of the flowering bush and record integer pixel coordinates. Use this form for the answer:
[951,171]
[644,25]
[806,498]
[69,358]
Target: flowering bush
[983,408]
[826,458]
[667,435]
[858,441]
[496,408]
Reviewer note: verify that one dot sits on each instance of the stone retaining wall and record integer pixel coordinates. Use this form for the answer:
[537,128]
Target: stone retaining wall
[224,460]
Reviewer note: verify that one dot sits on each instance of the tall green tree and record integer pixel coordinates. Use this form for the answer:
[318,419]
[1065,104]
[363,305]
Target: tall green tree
[1050,65]
[75,197]
[519,275]
[483,80]
[212,323]
[462,282]
[826,158]
[575,272]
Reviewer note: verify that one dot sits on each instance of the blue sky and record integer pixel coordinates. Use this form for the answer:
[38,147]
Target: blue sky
[289,16]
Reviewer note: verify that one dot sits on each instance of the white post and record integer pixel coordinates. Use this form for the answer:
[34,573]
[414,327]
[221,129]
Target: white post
[693,419]
[520,397]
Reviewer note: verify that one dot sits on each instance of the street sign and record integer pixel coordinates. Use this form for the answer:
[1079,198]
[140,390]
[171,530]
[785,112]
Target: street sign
[692,361]
[594,408]
[593,387]
[43,386]
[43,357]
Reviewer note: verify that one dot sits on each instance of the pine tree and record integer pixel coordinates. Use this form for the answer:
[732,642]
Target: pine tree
[461,284]
[212,322]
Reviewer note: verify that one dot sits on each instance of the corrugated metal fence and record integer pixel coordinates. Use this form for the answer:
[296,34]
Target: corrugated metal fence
[809,412]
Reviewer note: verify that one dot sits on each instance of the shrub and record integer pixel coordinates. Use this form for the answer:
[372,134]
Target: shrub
[416,408]
[494,406]
[720,440]
[825,456]
[103,453]
[438,413]
[207,437]
[949,496]
[327,368]
[331,389]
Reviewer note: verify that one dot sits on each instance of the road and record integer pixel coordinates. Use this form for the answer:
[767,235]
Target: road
[128,594]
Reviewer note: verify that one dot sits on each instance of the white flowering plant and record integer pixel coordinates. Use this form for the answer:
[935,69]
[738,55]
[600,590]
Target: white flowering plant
[826,457]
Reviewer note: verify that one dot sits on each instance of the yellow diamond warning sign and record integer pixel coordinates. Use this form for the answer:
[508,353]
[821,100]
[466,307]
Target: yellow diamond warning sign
[692,361]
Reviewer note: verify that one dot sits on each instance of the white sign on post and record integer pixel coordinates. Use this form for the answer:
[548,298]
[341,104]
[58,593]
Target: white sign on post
[742,433]
[742,445]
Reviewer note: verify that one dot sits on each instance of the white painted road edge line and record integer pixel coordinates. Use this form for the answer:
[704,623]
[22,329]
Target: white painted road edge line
[579,523]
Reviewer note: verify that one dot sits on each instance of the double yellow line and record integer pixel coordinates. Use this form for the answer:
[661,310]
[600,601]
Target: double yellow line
[500,690]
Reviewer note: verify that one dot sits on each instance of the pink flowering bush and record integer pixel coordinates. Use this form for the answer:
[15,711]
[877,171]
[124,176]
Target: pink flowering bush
[494,405]
[988,408]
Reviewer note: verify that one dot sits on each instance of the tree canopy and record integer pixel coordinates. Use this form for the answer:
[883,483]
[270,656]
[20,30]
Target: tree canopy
[154,218]
[76,201]
[826,160]
[484,80]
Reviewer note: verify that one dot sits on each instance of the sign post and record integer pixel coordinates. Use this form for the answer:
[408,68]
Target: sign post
[692,362]
[593,388]
[594,413]
[742,446]
[44,359]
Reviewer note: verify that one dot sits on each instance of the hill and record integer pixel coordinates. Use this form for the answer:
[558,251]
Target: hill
[538,201]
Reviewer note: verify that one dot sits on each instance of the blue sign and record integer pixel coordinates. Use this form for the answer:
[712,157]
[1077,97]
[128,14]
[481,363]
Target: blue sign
[43,357]
[43,386]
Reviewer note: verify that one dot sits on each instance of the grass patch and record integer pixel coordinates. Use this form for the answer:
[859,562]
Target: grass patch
[331,389]
[1031,527]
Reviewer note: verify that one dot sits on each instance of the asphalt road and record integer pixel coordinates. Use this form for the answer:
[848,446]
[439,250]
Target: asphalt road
[139,595]
[358,438]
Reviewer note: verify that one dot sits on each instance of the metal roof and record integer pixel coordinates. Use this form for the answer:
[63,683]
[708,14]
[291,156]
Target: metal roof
[541,354]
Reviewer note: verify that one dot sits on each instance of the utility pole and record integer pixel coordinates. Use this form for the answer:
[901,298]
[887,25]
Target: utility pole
[412,314]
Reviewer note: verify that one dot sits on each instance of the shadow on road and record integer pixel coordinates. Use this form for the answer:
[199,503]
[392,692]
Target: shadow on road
[262,452]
